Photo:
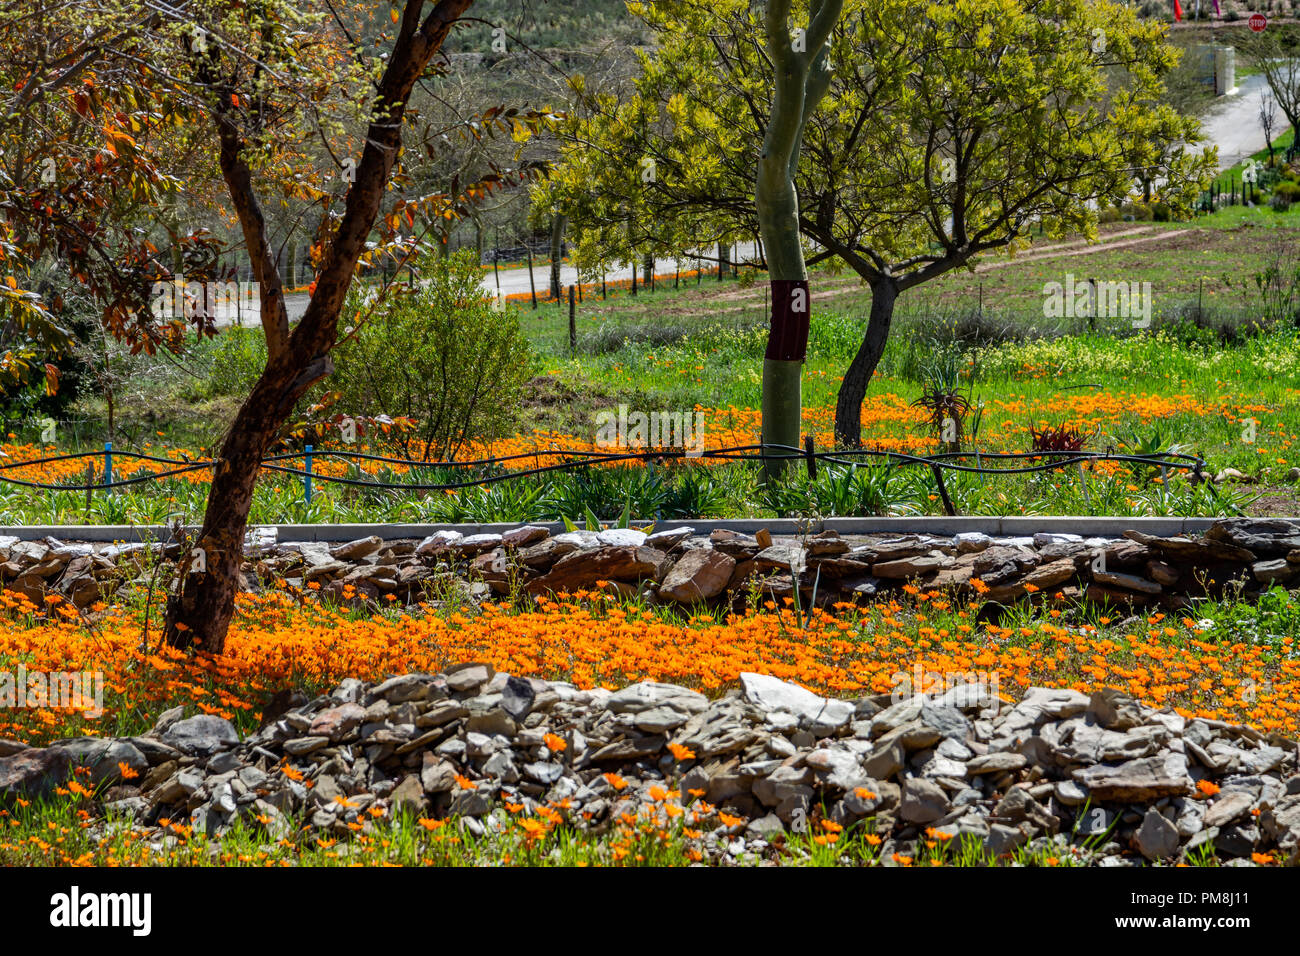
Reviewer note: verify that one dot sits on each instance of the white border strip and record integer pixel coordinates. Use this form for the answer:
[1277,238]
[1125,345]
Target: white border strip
[1009,526]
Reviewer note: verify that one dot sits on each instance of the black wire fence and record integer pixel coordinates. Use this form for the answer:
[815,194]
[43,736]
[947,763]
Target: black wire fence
[985,463]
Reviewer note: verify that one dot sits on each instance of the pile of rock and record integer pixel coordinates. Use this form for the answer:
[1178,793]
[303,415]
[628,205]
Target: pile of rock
[1100,777]
[678,565]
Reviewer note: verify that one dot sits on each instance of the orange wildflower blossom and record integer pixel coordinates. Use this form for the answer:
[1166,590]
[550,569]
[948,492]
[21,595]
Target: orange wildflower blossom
[680,752]
[276,643]
[889,423]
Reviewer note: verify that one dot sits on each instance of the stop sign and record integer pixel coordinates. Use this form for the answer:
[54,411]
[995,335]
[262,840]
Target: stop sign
[1258,22]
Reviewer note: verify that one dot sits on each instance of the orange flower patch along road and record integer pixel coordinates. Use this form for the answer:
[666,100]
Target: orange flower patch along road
[591,640]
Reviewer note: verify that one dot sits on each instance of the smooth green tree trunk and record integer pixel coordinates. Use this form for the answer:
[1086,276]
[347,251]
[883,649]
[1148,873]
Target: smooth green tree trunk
[801,77]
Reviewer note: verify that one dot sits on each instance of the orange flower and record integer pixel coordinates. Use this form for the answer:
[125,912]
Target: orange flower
[555,744]
[680,752]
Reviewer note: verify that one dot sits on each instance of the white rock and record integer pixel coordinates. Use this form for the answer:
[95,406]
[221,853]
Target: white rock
[477,543]
[1043,538]
[438,542]
[527,534]
[665,539]
[622,537]
[772,694]
[971,541]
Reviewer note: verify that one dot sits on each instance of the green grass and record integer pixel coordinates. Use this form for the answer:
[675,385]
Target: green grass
[1194,379]
[54,833]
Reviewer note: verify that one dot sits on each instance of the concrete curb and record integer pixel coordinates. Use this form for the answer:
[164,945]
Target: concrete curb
[1009,526]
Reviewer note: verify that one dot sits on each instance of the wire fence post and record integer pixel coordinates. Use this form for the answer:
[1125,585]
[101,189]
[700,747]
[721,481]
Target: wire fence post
[1083,479]
[90,480]
[573,325]
[810,456]
[496,263]
[943,489]
[306,475]
[108,465]
[532,286]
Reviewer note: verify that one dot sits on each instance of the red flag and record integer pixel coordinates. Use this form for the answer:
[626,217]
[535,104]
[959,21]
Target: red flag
[1178,11]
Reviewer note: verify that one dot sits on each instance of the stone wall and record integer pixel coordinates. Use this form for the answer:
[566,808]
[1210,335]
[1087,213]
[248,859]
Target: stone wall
[1094,779]
[1238,556]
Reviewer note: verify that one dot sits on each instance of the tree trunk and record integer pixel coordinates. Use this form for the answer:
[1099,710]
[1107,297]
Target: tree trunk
[199,614]
[787,337]
[848,404]
[201,610]
[800,80]
[558,225]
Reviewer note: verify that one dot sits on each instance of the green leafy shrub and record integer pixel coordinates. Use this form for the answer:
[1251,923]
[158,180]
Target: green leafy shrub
[840,491]
[237,361]
[1288,190]
[606,491]
[440,355]
[695,491]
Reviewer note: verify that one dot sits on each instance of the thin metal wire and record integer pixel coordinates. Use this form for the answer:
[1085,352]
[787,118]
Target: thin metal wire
[1056,460]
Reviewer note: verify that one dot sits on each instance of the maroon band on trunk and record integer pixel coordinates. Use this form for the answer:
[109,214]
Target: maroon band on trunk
[791,311]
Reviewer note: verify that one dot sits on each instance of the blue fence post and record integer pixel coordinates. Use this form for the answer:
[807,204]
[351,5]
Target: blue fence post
[306,477]
[108,465]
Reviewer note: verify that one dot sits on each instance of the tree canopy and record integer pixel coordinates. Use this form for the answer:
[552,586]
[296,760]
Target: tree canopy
[948,130]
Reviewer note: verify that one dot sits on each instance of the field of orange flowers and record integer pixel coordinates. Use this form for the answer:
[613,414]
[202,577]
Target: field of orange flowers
[591,640]
[890,423]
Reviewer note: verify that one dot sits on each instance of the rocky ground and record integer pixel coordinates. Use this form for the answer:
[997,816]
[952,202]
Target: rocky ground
[1238,555]
[1100,778]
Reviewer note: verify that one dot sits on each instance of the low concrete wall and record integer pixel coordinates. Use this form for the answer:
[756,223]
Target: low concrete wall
[1086,525]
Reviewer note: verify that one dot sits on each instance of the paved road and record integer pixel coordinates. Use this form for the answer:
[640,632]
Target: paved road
[515,281]
[1232,123]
